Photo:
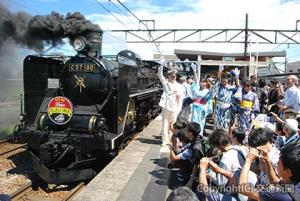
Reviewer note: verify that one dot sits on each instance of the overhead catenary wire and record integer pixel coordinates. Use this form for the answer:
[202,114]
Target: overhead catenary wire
[284,42]
[102,6]
[151,37]
[26,7]
[53,47]
[120,11]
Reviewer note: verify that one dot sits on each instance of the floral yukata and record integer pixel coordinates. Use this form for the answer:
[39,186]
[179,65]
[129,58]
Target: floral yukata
[226,98]
[248,106]
[202,105]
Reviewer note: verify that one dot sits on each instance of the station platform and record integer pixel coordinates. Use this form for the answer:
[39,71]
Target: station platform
[139,172]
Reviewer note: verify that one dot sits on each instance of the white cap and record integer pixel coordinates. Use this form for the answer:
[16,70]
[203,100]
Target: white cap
[291,124]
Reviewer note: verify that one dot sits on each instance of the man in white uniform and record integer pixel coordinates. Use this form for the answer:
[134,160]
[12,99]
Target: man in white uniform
[170,102]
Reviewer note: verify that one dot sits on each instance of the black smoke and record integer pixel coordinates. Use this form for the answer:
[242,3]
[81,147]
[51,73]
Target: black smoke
[20,29]
[35,32]
[52,28]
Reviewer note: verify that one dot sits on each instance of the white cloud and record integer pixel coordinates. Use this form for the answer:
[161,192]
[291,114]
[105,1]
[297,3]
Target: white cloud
[266,14]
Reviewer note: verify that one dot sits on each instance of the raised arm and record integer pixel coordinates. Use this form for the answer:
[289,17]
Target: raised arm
[202,175]
[218,169]
[215,88]
[195,67]
[237,76]
[160,75]
[280,90]
[245,187]
[221,68]
[274,179]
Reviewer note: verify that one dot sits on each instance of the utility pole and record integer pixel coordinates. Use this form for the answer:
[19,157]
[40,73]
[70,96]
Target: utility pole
[246,35]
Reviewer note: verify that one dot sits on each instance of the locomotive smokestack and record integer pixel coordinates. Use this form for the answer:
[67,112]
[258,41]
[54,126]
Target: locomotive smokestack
[89,42]
[95,38]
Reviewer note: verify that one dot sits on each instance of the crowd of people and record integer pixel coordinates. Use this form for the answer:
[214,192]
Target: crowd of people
[241,159]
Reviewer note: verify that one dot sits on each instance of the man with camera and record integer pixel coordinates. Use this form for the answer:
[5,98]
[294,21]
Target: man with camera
[188,158]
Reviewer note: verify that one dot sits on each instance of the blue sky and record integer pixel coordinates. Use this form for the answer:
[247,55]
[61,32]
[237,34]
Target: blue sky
[267,14]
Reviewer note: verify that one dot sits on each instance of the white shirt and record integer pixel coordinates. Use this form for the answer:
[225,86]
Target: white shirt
[172,95]
[231,160]
[292,98]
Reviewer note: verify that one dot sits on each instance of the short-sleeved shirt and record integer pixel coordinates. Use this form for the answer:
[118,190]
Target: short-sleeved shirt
[232,160]
[292,98]
[277,196]
[291,139]
[186,154]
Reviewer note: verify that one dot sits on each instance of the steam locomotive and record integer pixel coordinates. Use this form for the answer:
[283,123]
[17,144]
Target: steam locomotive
[82,108]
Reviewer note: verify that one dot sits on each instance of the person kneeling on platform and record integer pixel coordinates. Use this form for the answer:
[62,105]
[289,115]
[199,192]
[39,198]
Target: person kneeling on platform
[190,155]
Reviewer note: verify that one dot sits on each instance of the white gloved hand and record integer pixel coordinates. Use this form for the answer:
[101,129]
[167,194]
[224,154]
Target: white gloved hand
[237,72]
[194,67]
[221,68]
[162,61]
[160,69]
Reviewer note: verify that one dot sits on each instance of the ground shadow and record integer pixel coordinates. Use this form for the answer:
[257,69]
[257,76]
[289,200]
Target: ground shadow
[21,165]
[149,141]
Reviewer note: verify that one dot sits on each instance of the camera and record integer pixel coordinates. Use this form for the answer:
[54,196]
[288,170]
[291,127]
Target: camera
[181,135]
[179,125]
[215,159]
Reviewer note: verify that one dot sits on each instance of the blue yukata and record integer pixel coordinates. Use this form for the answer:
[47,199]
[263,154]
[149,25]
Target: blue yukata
[225,99]
[248,106]
[202,105]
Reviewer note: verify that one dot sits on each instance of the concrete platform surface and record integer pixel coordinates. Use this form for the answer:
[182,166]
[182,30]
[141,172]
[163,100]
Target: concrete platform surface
[138,173]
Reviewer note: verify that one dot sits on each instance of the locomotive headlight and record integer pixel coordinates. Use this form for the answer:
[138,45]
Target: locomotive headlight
[79,44]
[21,117]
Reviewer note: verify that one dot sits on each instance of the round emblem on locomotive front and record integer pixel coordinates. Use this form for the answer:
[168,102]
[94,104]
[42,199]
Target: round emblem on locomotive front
[60,110]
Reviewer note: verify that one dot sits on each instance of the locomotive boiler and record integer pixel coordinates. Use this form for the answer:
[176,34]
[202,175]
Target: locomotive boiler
[81,109]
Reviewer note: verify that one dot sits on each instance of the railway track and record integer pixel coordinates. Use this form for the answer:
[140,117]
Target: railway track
[7,147]
[33,189]
[38,190]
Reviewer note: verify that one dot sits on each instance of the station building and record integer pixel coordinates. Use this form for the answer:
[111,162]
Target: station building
[293,67]
[259,63]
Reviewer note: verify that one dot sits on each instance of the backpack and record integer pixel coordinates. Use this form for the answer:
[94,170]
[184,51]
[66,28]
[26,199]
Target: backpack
[201,145]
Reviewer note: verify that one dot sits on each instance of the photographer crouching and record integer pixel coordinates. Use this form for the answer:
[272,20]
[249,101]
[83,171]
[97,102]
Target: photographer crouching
[187,157]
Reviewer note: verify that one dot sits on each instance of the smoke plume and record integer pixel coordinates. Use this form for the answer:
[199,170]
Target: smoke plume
[40,30]
[34,32]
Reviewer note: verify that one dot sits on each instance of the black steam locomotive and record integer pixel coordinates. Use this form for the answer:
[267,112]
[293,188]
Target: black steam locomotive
[82,108]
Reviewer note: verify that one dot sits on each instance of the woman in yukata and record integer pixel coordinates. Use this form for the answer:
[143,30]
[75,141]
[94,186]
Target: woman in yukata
[226,97]
[202,104]
[248,106]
